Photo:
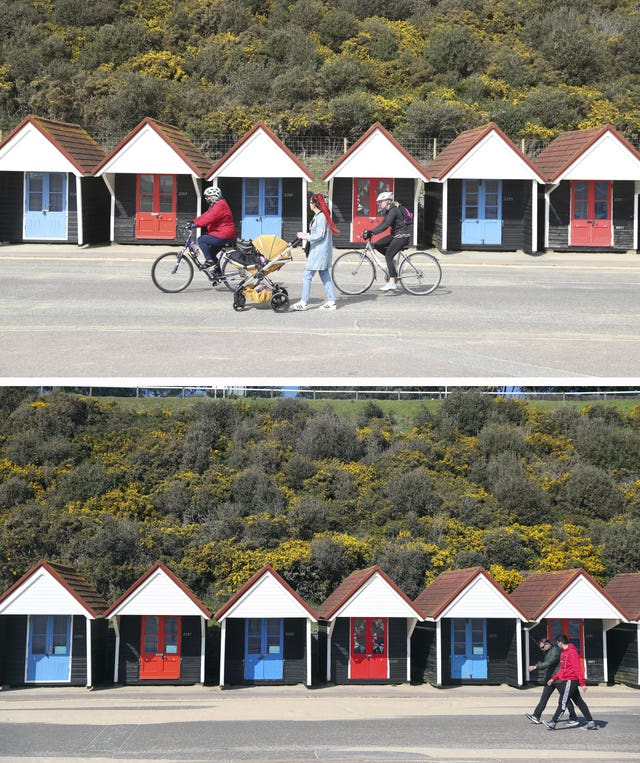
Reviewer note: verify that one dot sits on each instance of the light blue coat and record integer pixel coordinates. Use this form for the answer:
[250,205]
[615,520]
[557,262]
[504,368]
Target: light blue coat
[321,244]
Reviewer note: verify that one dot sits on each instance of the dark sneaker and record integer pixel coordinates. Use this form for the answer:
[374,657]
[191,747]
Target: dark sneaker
[533,718]
[551,725]
[209,263]
[571,723]
[591,726]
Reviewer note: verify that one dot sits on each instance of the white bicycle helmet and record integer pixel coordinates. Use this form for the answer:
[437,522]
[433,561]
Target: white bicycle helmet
[384,196]
[213,193]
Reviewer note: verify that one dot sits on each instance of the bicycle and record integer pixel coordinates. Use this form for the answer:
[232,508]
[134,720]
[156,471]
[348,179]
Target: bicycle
[172,272]
[354,272]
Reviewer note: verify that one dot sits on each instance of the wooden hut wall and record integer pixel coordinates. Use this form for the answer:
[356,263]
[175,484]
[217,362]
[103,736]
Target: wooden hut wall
[342,211]
[14,638]
[130,642]
[433,215]
[291,207]
[622,652]
[232,192]
[397,654]
[502,665]
[594,650]
[291,204]
[125,209]
[559,216]
[623,214]
[96,206]
[294,650]
[454,218]
[517,216]
[11,206]
[397,649]
[424,654]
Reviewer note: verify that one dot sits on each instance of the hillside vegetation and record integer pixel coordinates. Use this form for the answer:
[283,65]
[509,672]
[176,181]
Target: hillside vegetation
[218,488]
[423,68]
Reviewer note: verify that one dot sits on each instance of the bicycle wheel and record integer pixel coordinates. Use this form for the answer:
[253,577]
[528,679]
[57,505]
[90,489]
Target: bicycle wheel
[232,274]
[353,272]
[420,273]
[172,272]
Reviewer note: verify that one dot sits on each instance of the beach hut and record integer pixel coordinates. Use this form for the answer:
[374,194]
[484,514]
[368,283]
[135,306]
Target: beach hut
[376,162]
[591,193]
[52,629]
[161,630]
[365,627]
[265,633]
[570,602]
[155,181]
[471,632]
[623,641]
[47,190]
[482,195]
[264,184]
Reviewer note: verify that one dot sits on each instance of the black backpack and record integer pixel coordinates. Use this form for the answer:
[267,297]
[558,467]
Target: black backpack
[407,216]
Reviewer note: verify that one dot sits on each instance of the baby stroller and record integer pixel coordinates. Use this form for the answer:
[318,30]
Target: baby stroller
[258,260]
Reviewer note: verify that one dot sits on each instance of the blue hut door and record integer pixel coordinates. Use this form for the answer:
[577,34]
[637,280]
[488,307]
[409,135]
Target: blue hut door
[468,648]
[263,657]
[482,212]
[45,206]
[49,648]
[261,206]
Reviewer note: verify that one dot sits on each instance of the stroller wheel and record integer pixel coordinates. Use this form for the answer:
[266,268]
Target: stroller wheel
[280,301]
[239,301]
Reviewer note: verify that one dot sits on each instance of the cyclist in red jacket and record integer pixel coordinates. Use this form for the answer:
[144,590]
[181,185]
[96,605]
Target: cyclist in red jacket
[219,228]
[567,679]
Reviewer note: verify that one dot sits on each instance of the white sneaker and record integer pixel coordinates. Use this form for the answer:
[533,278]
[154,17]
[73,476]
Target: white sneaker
[328,306]
[299,306]
[389,286]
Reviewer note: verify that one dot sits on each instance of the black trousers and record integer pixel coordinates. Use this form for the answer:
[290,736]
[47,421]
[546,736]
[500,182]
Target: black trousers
[390,246]
[570,690]
[547,691]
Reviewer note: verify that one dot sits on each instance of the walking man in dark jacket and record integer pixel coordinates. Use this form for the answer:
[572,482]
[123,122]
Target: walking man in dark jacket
[549,664]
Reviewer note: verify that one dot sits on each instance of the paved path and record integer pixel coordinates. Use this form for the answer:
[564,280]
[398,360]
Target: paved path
[344,723]
[94,314]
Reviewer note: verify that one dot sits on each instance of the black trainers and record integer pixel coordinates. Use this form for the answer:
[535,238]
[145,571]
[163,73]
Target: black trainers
[551,725]
[533,718]
[591,726]
[571,723]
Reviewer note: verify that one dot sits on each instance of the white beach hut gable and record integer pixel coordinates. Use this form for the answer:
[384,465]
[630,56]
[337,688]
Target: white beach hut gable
[31,151]
[145,152]
[158,595]
[42,593]
[481,599]
[492,158]
[607,159]
[580,599]
[264,598]
[376,597]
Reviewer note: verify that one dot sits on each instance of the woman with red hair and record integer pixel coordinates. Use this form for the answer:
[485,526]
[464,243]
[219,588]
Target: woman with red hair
[320,238]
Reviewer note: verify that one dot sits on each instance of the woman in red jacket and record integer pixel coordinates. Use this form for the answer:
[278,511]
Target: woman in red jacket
[219,228]
[567,679]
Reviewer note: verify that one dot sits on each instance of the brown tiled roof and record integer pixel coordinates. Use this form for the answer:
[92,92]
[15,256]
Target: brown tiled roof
[258,126]
[159,566]
[376,126]
[194,158]
[436,597]
[77,586]
[250,583]
[624,589]
[452,154]
[562,152]
[71,140]
[350,586]
[538,592]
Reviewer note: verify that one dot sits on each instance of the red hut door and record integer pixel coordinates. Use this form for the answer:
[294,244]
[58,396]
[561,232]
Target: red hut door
[160,648]
[365,209]
[369,655]
[156,206]
[591,213]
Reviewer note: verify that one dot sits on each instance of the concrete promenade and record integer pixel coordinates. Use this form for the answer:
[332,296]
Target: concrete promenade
[293,723]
